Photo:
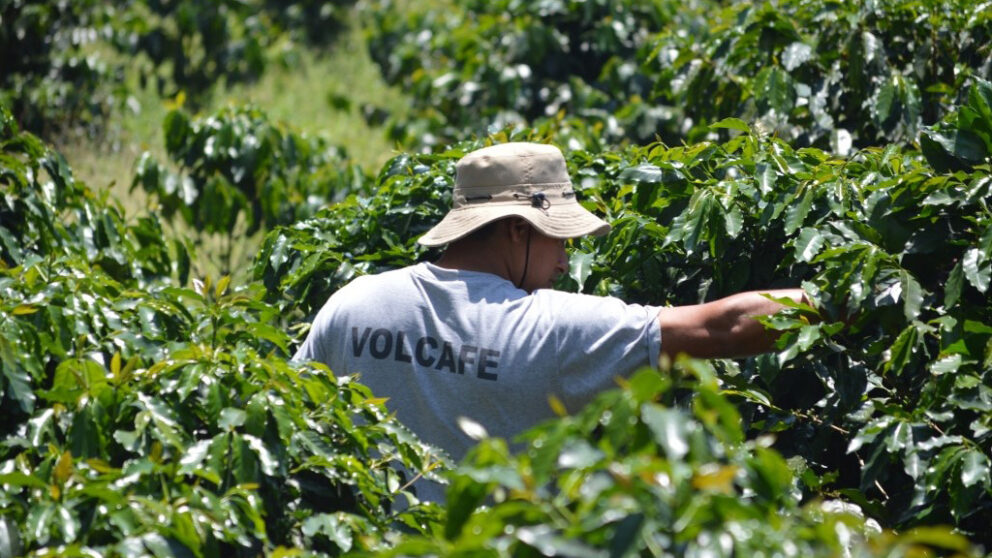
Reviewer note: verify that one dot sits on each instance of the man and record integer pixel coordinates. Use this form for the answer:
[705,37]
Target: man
[481,334]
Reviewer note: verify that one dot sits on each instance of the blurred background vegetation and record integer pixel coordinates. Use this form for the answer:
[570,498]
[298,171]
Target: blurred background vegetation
[96,80]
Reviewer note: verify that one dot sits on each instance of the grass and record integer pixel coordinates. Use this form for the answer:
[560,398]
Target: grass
[296,92]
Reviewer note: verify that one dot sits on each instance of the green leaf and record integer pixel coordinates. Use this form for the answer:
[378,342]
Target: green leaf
[975,469]
[165,422]
[176,126]
[912,294]
[231,418]
[900,438]
[772,475]
[580,267]
[977,269]
[807,245]
[19,383]
[269,463]
[194,456]
[669,428]
[940,537]
[695,226]
[331,526]
[935,154]
[627,533]
[796,214]
[69,524]
[10,539]
[955,282]
[775,88]
[767,176]
[962,144]
[733,221]
[17,478]
[885,99]
[795,55]
[732,124]
[646,173]
[946,365]
[579,455]
[902,350]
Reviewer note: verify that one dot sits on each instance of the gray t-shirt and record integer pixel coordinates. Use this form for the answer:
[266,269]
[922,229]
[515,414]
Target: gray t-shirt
[442,344]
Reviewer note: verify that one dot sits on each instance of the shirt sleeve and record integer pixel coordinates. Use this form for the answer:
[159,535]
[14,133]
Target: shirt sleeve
[600,338]
[307,351]
[316,345]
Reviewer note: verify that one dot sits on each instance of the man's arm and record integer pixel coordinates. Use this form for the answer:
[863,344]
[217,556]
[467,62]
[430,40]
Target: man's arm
[724,328]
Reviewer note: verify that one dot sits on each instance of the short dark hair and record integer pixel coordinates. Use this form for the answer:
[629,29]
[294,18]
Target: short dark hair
[482,233]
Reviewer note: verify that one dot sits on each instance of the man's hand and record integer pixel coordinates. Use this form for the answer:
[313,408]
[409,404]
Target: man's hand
[724,328]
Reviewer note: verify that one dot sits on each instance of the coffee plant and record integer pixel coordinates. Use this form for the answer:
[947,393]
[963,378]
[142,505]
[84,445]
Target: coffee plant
[64,64]
[141,416]
[237,166]
[832,74]
[826,73]
[496,63]
[49,81]
[879,394]
[643,471]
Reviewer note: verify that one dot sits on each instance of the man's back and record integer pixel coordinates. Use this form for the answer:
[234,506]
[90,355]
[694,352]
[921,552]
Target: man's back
[443,344]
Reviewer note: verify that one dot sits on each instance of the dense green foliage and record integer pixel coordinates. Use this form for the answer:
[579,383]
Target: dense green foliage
[639,472]
[235,165]
[47,78]
[191,45]
[817,72]
[142,417]
[885,396]
[64,64]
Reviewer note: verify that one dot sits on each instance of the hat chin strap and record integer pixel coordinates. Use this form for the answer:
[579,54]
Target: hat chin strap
[520,284]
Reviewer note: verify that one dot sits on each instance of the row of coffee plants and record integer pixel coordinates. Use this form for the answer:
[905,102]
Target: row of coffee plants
[643,471]
[65,64]
[143,417]
[827,73]
[237,172]
[880,394]
[46,78]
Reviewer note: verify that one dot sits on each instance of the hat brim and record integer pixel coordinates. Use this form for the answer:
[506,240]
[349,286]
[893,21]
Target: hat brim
[560,221]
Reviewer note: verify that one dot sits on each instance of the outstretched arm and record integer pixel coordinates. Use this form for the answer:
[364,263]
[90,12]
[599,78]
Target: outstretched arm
[724,328]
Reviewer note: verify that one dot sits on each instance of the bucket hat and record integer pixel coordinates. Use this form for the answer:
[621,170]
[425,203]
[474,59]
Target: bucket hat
[527,180]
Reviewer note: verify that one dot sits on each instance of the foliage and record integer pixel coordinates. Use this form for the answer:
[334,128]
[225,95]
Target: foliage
[190,46]
[236,161]
[139,416]
[494,63]
[965,138]
[237,165]
[142,415]
[47,77]
[827,73]
[884,397]
[644,471]
[303,263]
[64,63]
[41,219]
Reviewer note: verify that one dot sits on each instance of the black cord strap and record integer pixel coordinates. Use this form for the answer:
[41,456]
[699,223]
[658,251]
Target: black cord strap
[520,284]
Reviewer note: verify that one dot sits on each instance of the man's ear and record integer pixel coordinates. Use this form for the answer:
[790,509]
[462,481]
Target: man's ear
[517,228]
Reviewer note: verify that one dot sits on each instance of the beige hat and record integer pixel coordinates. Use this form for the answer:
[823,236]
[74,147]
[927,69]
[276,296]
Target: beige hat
[528,180]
